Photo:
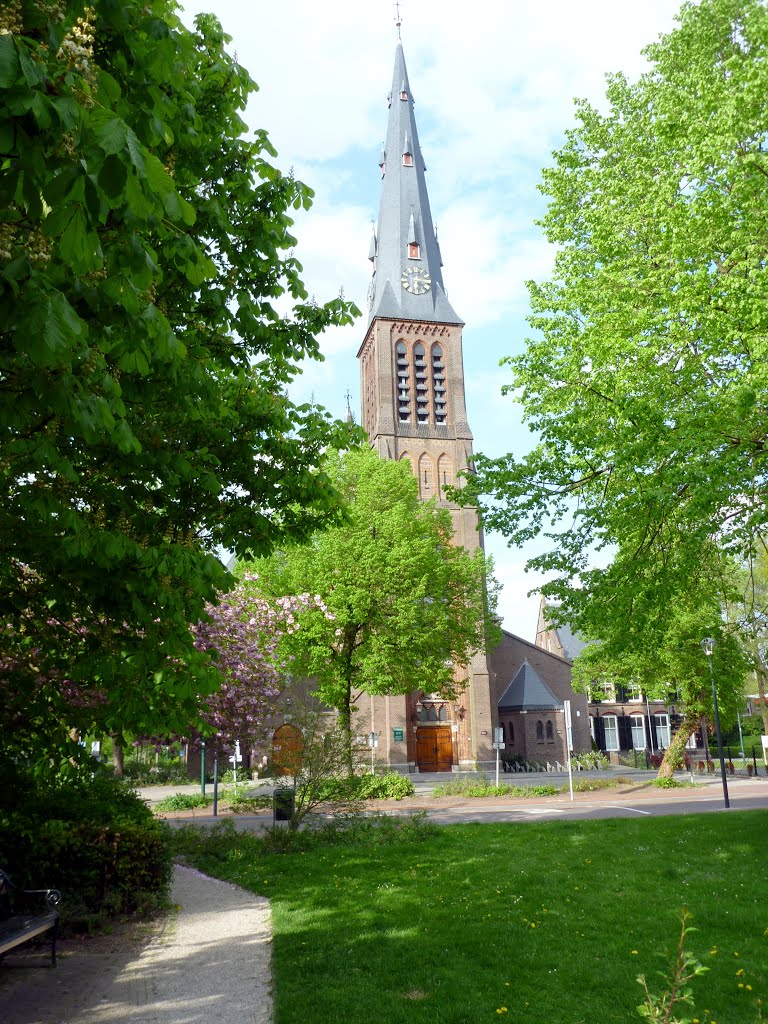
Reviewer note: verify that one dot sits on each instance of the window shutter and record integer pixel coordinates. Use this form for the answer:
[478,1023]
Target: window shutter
[625,733]
[599,733]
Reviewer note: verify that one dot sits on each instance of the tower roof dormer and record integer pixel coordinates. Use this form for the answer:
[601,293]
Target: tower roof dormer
[407,276]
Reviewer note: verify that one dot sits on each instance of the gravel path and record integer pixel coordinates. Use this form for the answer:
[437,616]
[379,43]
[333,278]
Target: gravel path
[207,964]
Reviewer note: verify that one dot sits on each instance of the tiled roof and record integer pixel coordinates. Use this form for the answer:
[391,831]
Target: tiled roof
[528,692]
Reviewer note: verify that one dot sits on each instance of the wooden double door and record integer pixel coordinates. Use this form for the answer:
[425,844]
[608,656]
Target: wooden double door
[434,748]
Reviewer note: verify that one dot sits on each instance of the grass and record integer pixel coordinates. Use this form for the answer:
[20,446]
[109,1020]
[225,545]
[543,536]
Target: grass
[533,924]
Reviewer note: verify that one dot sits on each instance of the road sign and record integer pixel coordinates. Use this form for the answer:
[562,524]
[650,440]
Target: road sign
[237,756]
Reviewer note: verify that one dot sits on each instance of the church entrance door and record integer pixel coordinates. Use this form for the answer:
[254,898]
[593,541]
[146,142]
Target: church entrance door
[287,746]
[434,748]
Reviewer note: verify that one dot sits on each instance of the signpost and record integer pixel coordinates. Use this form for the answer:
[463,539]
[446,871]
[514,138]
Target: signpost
[235,759]
[568,742]
[498,744]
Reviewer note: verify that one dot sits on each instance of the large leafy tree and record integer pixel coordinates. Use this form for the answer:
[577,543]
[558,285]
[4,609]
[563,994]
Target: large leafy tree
[647,382]
[657,647]
[143,364]
[747,611]
[402,608]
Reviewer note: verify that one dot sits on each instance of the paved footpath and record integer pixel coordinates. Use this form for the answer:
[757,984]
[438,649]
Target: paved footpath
[210,963]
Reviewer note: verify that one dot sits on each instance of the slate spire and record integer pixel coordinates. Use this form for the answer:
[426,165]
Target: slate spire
[407,278]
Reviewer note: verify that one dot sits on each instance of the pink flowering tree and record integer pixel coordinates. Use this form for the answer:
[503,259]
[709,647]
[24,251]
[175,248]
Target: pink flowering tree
[43,709]
[242,634]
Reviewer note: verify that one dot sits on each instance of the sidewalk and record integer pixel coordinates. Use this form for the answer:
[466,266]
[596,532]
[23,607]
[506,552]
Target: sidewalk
[210,963]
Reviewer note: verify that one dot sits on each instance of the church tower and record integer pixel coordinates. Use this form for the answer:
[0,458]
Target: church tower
[413,408]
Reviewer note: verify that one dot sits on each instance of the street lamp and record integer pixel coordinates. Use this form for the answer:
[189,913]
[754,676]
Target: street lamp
[708,646]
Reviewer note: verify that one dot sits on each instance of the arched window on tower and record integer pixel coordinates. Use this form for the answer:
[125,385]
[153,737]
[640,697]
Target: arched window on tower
[426,483]
[539,730]
[550,731]
[403,374]
[422,392]
[438,384]
[444,474]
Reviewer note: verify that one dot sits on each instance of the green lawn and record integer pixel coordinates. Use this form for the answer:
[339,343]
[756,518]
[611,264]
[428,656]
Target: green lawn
[542,923]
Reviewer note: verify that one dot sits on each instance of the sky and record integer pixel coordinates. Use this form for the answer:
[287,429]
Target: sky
[494,87]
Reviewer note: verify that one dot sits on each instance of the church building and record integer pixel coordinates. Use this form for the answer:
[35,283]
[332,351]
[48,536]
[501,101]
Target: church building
[414,409]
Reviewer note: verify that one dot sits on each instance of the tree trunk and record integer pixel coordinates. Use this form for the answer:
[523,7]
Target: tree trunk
[673,755]
[760,674]
[117,755]
[345,724]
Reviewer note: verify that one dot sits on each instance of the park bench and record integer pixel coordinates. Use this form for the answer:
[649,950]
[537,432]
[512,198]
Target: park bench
[27,914]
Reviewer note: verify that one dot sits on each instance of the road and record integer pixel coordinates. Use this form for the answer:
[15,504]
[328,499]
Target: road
[636,799]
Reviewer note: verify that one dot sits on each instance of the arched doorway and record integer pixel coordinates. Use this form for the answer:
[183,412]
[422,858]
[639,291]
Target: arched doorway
[287,747]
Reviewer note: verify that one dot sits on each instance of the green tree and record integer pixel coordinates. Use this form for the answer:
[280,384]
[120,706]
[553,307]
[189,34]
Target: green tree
[399,607]
[636,640]
[143,365]
[747,610]
[647,384]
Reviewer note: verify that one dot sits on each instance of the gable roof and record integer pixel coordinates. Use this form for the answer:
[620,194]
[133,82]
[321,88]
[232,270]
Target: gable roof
[571,642]
[528,692]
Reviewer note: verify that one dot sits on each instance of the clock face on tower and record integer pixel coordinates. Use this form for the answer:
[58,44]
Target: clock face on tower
[416,281]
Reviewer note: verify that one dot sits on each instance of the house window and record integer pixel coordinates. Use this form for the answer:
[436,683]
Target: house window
[611,730]
[539,730]
[550,731]
[637,722]
[634,692]
[511,732]
[661,723]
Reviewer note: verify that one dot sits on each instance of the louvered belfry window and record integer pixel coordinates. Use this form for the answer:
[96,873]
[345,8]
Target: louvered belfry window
[422,387]
[438,384]
[403,383]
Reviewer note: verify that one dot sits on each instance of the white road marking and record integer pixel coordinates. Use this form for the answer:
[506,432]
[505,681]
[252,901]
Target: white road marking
[625,808]
[542,810]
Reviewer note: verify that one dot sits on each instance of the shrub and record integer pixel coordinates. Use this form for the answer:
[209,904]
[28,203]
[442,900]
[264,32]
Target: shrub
[85,833]
[590,760]
[668,783]
[390,786]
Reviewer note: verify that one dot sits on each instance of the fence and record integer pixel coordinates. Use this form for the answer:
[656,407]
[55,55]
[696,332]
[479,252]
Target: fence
[747,764]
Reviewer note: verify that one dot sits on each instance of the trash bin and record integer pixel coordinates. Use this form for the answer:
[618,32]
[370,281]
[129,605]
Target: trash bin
[282,804]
